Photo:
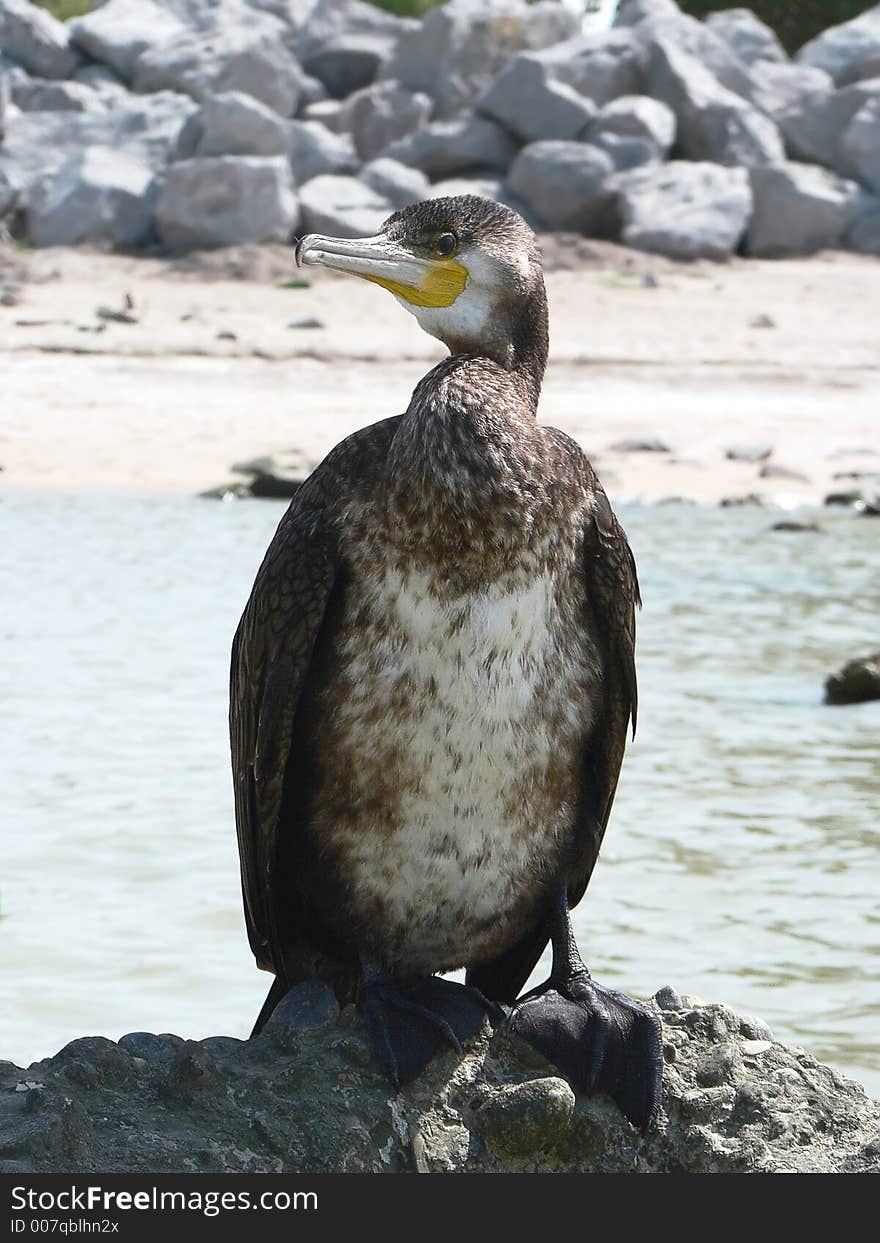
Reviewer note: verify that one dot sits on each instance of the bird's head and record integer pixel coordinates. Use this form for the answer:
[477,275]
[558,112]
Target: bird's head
[467,268]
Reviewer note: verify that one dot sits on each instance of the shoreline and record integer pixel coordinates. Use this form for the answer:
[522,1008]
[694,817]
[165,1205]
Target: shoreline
[225,363]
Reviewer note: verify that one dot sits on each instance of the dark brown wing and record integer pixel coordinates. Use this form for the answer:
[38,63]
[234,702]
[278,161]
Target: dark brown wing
[613,596]
[287,623]
[271,653]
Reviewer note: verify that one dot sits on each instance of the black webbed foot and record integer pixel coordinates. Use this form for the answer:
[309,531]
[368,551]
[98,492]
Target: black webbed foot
[601,1040]
[411,1021]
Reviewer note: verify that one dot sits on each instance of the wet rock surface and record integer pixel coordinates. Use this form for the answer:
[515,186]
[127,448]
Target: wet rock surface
[307,1096]
[857,682]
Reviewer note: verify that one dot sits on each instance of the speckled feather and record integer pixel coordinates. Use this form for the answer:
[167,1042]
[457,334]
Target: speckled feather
[431,688]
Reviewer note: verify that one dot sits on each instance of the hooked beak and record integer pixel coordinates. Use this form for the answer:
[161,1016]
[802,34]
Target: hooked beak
[416,280]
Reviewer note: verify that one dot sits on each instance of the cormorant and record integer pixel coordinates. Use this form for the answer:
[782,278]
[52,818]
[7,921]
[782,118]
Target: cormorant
[432,683]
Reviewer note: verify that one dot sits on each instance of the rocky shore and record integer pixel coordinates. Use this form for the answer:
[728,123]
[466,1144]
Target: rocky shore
[306,1096]
[200,123]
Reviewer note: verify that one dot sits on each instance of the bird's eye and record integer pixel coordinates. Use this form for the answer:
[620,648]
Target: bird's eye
[445,244]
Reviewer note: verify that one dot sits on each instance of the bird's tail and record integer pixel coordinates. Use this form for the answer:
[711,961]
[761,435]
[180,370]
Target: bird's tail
[276,992]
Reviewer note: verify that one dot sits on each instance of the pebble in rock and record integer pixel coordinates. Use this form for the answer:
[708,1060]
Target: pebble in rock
[668,999]
[526,1117]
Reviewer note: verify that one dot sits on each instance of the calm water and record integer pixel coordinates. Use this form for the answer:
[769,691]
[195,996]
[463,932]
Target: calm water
[743,858]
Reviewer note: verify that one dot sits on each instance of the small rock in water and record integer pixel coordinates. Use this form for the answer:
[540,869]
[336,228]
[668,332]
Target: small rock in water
[851,497]
[227,336]
[790,525]
[310,322]
[762,321]
[857,682]
[640,444]
[748,453]
[748,498]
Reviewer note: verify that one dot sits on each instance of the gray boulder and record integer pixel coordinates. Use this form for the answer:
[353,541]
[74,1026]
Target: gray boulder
[145,128]
[564,183]
[49,95]
[684,210]
[863,234]
[484,185]
[315,151]
[342,207]
[734,1102]
[446,148]
[714,123]
[778,87]
[313,25]
[233,124]
[747,35]
[119,31]
[396,182]
[634,130]
[226,200]
[350,61]
[100,78]
[382,114]
[633,12]
[327,111]
[848,52]
[696,39]
[96,195]
[8,194]
[234,59]
[525,100]
[313,92]
[861,143]
[36,40]
[458,48]
[600,66]
[814,126]
[799,209]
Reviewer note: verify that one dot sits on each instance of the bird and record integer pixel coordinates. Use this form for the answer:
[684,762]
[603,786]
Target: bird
[432,686]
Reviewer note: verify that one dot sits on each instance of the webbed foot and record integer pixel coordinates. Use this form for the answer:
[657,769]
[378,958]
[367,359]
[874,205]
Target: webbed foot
[411,1021]
[601,1040]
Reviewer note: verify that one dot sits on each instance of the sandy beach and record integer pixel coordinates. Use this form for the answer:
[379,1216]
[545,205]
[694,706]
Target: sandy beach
[225,362]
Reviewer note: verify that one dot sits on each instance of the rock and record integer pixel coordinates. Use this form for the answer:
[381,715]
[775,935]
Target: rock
[459,47]
[778,88]
[36,40]
[849,498]
[342,207]
[119,31]
[313,92]
[632,12]
[308,1096]
[485,187]
[640,444]
[144,129]
[277,477]
[382,114]
[713,123]
[232,123]
[857,682]
[771,470]
[350,61]
[861,143]
[8,195]
[737,502]
[314,151]
[327,111]
[233,59]
[863,234]
[747,35]
[748,453]
[445,148]
[101,79]
[789,525]
[564,183]
[47,95]
[799,209]
[600,66]
[325,22]
[814,125]
[667,998]
[684,210]
[847,52]
[98,194]
[396,182]
[527,102]
[634,130]
[226,200]
[697,40]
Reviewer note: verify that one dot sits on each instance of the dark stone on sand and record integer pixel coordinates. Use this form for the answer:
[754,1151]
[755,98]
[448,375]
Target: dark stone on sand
[748,453]
[641,444]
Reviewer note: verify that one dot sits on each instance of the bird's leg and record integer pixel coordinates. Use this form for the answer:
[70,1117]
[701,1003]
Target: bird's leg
[601,1040]
[410,1021]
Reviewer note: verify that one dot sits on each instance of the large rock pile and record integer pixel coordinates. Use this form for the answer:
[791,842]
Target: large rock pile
[209,122]
[307,1096]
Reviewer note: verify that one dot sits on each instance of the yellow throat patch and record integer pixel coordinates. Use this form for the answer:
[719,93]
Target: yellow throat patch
[440,286]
